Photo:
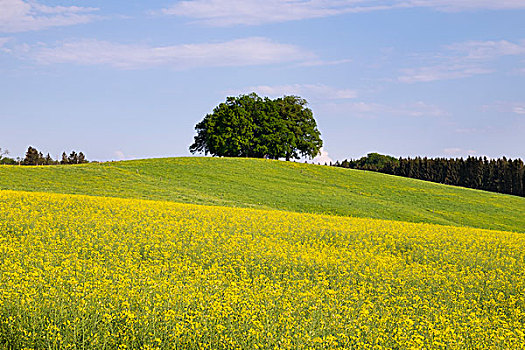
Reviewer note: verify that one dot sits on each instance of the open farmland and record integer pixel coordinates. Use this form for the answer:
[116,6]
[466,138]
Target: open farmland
[266,184]
[95,272]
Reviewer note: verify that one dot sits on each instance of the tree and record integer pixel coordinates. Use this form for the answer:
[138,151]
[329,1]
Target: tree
[497,175]
[250,126]
[81,158]
[33,157]
[73,158]
[48,160]
[4,159]
[296,129]
[64,158]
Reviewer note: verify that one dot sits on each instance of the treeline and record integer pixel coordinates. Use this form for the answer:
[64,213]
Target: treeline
[497,175]
[35,157]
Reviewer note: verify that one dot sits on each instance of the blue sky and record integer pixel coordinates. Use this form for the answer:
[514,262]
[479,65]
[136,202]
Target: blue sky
[130,79]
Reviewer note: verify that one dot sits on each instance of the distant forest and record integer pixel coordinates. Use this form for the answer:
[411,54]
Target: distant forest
[497,175]
[35,157]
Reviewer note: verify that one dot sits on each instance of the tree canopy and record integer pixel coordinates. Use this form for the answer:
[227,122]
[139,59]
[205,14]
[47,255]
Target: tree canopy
[497,175]
[251,126]
[4,159]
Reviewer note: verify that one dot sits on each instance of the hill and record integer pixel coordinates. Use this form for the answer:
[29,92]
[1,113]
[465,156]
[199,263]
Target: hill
[280,185]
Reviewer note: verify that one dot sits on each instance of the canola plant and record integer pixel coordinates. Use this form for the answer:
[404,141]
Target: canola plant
[89,272]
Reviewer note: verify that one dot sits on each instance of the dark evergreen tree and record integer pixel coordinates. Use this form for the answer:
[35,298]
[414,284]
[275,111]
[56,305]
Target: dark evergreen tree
[64,159]
[82,158]
[33,157]
[501,175]
[73,158]
[48,160]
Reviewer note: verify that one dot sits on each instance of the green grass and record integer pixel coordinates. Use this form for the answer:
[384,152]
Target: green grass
[276,185]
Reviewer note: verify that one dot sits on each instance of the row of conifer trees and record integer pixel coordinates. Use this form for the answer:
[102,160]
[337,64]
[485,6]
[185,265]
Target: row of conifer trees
[497,175]
[35,157]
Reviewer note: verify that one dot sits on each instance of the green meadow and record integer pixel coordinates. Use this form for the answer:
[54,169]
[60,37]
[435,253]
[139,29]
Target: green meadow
[269,184]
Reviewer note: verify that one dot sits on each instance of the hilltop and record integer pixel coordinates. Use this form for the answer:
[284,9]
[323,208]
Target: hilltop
[268,184]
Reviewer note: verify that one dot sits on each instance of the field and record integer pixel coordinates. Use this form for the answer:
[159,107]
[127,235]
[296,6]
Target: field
[93,272]
[265,184]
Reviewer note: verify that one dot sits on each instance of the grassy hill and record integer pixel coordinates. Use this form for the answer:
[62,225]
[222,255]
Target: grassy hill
[276,185]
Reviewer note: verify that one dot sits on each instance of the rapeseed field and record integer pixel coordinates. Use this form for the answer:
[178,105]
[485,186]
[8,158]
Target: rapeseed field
[79,272]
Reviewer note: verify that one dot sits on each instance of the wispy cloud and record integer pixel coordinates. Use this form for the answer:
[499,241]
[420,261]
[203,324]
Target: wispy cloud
[487,50]
[310,91]
[519,109]
[475,130]
[318,62]
[21,16]
[441,72]
[506,107]
[120,155]
[254,12]
[374,110]
[240,52]
[462,60]
[3,41]
[466,5]
[457,152]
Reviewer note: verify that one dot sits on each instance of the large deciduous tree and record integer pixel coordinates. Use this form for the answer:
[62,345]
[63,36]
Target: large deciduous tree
[251,126]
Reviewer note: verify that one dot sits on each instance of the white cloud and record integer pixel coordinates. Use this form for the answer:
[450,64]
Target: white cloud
[441,72]
[4,41]
[323,157]
[487,50]
[456,152]
[120,155]
[421,109]
[240,52]
[462,5]
[315,63]
[468,131]
[254,12]
[519,110]
[309,91]
[462,60]
[21,16]
[452,151]
[373,110]
[505,107]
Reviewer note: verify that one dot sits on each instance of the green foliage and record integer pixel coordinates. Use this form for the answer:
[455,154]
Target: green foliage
[4,159]
[250,126]
[496,175]
[8,161]
[74,158]
[34,157]
[375,161]
[280,185]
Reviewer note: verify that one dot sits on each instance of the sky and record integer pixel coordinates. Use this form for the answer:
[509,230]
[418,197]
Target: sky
[130,79]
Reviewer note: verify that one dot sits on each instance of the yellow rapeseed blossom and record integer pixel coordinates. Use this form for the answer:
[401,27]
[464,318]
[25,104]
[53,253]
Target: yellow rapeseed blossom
[86,272]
